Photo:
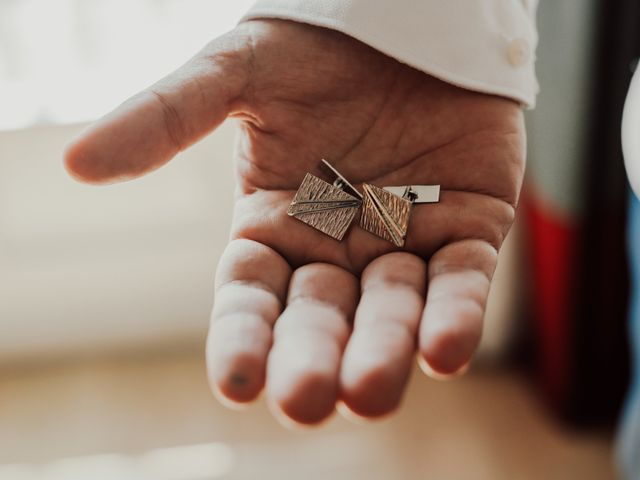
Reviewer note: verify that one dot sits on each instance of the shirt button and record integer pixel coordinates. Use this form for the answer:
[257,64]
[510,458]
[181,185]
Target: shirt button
[518,52]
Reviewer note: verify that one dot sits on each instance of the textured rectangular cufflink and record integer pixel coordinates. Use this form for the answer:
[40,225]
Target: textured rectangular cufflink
[385,214]
[324,207]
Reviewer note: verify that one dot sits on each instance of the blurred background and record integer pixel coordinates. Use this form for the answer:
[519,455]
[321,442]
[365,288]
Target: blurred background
[105,292]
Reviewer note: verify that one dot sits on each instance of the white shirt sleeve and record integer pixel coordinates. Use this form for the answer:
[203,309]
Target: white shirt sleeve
[482,45]
[630,137]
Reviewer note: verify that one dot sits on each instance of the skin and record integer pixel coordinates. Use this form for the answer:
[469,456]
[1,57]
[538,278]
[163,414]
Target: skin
[315,321]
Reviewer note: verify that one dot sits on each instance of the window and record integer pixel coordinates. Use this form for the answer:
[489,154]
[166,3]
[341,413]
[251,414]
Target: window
[68,61]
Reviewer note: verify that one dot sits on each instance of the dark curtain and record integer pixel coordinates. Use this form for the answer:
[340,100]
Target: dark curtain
[601,364]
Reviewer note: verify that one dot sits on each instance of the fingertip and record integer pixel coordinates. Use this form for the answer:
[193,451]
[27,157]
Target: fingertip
[308,400]
[126,143]
[346,412]
[224,396]
[445,350]
[285,420]
[74,162]
[237,348]
[225,400]
[84,161]
[240,380]
[364,410]
[373,387]
[437,375]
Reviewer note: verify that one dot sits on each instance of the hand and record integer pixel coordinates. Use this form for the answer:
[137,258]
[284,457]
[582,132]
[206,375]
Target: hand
[316,320]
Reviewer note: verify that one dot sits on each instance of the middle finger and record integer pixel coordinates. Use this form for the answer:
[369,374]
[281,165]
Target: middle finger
[309,337]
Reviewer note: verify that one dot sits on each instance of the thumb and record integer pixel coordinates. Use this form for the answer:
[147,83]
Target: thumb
[150,128]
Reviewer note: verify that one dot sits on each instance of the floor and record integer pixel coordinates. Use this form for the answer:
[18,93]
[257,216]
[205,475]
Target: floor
[153,411]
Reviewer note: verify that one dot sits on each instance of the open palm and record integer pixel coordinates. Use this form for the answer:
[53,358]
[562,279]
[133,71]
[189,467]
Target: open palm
[321,321]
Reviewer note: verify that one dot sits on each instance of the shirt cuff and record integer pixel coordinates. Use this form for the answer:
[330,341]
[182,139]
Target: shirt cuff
[482,45]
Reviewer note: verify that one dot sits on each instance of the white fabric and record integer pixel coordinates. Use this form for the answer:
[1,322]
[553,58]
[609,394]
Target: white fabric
[483,45]
[631,134]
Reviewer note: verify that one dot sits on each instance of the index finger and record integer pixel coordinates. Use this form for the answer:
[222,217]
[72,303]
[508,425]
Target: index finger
[251,288]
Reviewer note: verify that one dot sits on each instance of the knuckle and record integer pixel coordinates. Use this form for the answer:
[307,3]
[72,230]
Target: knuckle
[173,123]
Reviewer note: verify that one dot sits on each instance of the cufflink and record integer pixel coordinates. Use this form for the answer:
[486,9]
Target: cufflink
[327,207]
[386,211]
